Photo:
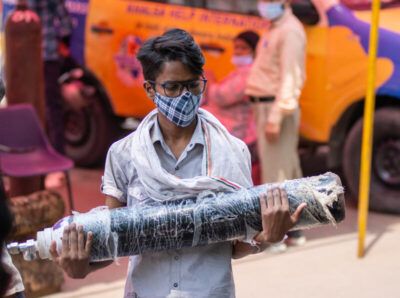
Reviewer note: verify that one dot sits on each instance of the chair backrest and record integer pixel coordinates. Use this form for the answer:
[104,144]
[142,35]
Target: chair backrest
[20,127]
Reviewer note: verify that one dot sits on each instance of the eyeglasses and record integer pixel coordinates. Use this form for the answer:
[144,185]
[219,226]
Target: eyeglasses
[175,88]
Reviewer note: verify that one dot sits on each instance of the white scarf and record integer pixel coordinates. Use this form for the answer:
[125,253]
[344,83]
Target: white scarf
[227,162]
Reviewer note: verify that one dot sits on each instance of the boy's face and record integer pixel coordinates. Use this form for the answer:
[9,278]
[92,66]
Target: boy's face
[168,82]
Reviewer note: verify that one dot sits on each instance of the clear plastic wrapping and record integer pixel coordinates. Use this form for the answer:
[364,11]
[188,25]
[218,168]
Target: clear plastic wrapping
[207,218]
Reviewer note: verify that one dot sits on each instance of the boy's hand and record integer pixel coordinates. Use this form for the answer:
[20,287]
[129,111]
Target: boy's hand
[276,218]
[74,259]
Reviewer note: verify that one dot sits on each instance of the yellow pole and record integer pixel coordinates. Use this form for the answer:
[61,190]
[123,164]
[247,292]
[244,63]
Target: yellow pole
[365,171]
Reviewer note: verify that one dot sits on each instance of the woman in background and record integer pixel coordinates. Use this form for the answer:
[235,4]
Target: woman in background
[226,99]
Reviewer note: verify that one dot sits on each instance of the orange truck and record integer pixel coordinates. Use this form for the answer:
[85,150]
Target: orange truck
[104,91]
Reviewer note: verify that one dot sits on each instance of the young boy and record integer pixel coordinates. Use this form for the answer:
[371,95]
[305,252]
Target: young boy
[175,151]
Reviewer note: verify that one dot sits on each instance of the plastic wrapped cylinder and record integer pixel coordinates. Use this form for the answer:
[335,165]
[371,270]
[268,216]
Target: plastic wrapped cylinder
[206,219]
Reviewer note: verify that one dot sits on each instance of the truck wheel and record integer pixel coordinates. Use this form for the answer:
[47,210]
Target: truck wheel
[385,167]
[89,128]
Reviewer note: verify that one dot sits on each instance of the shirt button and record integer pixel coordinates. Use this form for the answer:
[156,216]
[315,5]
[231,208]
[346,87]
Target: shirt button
[175,285]
[177,258]
[176,168]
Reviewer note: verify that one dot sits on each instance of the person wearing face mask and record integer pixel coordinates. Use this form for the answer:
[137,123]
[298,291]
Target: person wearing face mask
[178,150]
[274,86]
[226,99]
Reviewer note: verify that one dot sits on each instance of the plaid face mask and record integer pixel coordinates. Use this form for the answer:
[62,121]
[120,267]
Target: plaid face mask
[180,110]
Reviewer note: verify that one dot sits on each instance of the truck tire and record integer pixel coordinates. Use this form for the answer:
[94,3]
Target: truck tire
[89,127]
[385,167]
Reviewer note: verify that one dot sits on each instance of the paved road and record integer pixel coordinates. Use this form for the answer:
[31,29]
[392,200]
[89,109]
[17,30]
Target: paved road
[326,266]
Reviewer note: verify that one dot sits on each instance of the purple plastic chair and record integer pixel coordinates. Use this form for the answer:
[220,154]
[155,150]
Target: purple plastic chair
[24,148]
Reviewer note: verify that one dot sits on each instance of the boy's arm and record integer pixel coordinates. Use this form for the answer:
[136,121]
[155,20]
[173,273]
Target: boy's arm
[243,249]
[113,203]
[276,222]
[75,256]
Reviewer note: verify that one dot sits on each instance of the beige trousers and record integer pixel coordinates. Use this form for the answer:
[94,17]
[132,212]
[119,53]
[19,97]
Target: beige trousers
[280,160]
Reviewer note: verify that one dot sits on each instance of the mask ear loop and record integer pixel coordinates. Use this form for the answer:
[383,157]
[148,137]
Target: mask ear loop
[192,99]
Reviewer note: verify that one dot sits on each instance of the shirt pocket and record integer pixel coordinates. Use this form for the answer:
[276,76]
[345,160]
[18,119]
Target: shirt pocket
[137,194]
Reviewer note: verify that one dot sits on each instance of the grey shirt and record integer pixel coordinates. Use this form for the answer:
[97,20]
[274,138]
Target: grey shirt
[191,272]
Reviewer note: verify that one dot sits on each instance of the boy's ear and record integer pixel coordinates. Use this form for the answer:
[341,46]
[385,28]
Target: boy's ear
[148,88]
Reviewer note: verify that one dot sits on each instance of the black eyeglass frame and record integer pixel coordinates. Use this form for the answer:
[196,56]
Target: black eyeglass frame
[183,85]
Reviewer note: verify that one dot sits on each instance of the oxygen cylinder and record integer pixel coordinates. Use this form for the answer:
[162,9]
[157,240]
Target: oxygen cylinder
[202,220]
[24,75]
[23,59]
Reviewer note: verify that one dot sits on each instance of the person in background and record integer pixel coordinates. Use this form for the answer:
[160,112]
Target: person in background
[5,229]
[13,286]
[10,280]
[226,99]
[56,33]
[274,86]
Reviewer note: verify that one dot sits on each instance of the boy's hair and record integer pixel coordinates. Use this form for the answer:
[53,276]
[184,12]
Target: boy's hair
[173,45]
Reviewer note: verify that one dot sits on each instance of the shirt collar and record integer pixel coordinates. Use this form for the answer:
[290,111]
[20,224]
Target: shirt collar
[197,137]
